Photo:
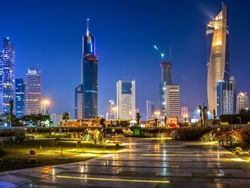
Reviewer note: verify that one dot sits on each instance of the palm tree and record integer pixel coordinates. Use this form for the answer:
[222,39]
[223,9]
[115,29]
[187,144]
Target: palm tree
[65,117]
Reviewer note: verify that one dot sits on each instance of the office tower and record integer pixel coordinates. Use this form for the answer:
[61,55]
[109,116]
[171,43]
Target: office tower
[111,110]
[242,101]
[7,60]
[79,108]
[166,79]
[19,97]
[184,113]
[218,61]
[172,99]
[89,77]
[150,108]
[32,91]
[126,100]
[226,96]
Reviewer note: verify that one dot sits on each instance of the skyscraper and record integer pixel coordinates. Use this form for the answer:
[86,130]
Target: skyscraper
[150,108]
[79,102]
[218,61]
[89,77]
[242,101]
[126,107]
[166,79]
[19,97]
[32,91]
[184,114]
[172,101]
[111,110]
[7,60]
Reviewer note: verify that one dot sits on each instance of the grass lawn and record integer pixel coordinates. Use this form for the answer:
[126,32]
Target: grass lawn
[49,152]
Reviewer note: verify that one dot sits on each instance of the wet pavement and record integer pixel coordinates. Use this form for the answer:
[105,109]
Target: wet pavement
[144,163]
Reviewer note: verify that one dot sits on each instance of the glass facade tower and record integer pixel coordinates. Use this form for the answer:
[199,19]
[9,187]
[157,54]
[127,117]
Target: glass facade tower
[89,78]
[33,92]
[218,61]
[19,97]
[7,60]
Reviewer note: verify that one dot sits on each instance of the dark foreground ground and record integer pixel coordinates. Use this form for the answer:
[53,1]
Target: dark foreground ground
[144,163]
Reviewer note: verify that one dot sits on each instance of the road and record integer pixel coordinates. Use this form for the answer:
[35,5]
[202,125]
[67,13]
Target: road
[144,163]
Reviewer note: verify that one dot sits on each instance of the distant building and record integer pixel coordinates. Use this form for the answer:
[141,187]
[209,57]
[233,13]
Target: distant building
[111,110]
[226,97]
[166,79]
[7,87]
[33,91]
[218,59]
[89,78]
[242,101]
[79,108]
[56,118]
[150,108]
[19,97]
[172,101]
[126,107]
[184,113]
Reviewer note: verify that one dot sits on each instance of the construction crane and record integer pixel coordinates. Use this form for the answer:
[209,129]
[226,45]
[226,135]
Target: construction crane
[162,54]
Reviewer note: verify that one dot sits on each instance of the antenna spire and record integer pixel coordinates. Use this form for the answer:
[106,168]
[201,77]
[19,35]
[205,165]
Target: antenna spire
[87,28]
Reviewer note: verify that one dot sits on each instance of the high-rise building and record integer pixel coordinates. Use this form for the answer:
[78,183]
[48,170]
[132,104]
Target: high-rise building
[79,108]
[111,110]
[19,97]
[226,96]
[166,79]
[89,77]
[126,107]
[7,87]
[184,113]
[242,101]
[150,108]
[33,91]
[172,101]
[218,61]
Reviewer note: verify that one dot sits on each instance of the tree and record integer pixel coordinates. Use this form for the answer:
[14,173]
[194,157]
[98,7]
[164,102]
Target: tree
[138,117]
[65,117]
[102,123]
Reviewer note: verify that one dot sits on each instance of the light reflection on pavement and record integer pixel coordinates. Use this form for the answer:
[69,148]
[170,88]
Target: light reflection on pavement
[143,163]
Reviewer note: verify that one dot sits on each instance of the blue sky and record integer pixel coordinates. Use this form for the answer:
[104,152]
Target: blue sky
[48,33]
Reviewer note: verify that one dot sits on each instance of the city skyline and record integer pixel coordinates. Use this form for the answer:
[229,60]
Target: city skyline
[126,61]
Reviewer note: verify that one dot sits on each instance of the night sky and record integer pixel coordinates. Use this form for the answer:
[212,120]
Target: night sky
[49,33]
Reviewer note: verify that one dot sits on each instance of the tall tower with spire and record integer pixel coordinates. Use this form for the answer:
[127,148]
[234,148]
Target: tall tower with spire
[86,94]
[218,59]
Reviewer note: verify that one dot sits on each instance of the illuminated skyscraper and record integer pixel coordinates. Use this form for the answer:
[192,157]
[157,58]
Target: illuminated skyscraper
[89,78]
[19,97]
[226,96]
[218,61]
[7,59]
[111,110]
[166,79]
[172,99]
[242,101]
[150,108]
[126,108]
[32,91]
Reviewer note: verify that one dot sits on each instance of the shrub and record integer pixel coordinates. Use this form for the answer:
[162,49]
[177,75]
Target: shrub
[190,134]
[2,152]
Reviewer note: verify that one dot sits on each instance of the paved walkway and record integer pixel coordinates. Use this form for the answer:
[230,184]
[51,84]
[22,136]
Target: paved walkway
[144,163]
